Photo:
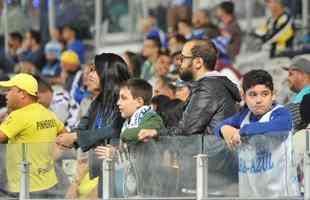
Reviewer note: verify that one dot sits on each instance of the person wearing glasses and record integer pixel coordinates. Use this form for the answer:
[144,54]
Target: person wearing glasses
[212,98]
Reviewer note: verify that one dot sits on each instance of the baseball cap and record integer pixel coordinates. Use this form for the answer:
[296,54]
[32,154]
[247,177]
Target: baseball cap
[70,57]
[299,63]
[22,81]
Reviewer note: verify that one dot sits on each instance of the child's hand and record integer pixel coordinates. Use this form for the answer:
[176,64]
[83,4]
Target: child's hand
[231,136]
[236,140]
[104,152]
[146,134]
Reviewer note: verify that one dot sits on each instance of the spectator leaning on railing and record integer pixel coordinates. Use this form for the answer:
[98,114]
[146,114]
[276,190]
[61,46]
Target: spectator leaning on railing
[263,129]
[213,97]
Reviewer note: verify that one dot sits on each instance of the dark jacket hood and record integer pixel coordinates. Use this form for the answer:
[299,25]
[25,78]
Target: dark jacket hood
[231,87]
[228,84]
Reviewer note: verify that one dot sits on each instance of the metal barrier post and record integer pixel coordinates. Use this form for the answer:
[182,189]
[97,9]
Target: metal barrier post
[307,167]
[108,169]
[201,176]
[24,178]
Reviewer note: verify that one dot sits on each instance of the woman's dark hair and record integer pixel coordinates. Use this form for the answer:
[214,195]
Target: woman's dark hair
[257,77]
[136,62]
[113,73]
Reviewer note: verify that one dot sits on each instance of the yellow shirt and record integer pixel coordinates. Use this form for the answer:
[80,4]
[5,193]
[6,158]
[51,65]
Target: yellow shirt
[37,127]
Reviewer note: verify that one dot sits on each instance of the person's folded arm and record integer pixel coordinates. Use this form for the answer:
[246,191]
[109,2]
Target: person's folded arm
[87,139]
[233,121]
[90,138]
[280,123]
[151,122]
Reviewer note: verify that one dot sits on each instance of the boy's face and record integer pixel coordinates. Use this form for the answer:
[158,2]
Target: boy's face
[259,99]
[127,104]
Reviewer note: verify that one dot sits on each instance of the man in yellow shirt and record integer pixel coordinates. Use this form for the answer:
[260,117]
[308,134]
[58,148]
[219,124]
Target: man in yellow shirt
[31,124]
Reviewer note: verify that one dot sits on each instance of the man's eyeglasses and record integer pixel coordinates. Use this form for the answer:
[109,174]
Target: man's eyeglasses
[181,57]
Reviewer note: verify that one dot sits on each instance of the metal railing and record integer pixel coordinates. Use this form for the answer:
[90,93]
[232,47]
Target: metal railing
[156,161]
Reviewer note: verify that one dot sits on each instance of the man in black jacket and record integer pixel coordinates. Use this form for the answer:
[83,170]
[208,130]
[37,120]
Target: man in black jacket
[212,98]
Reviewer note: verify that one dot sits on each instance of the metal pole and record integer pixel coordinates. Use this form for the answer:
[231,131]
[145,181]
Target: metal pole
[307,166]
[5,24]
[201,176]
[51,16]
[108,176]
[305,16]
[131,10]
[249,15]
[24,178]
[98,16]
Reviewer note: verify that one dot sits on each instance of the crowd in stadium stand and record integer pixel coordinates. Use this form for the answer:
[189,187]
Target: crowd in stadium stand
[183,82]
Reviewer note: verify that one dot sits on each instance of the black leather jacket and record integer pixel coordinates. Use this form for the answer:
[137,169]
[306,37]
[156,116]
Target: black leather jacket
[212,99]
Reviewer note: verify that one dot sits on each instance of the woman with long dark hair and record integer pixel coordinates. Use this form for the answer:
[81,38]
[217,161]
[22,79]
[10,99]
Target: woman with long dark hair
[102,124]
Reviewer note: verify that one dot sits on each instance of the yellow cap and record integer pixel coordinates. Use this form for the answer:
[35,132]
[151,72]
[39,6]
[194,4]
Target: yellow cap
[24,82]
[70,57]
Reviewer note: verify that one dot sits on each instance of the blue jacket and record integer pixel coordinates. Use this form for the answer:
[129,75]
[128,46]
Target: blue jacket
[280,121]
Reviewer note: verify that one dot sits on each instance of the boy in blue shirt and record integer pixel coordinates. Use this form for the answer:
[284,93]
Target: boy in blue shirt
[262,133]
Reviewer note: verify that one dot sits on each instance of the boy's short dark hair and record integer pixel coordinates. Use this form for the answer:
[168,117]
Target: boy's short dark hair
[140,88]
[257,77]
[228,7]
[36,35]
[16,36]
[43,85]
[155,40]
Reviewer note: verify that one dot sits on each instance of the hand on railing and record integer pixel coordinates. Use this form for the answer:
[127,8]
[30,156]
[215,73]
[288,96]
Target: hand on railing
[66,140]
[231,136]
[105,152]
[146,135]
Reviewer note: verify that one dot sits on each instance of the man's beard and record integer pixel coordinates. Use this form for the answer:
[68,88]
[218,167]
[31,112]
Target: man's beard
[292,87]
[186,75]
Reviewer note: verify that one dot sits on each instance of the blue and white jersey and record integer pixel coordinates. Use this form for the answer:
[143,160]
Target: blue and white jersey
[267,165]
